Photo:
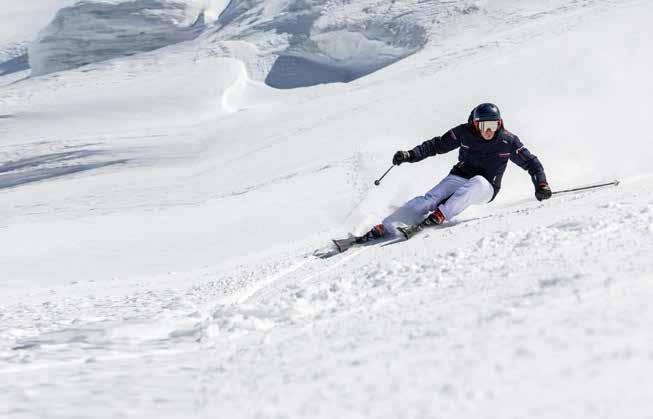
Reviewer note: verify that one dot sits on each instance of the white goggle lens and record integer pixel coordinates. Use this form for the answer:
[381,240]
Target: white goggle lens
[488,125]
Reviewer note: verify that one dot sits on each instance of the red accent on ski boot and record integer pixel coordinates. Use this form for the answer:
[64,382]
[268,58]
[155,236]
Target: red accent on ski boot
[376,232]
[436,217]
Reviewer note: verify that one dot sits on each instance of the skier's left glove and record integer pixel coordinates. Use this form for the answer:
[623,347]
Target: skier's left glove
[543,191]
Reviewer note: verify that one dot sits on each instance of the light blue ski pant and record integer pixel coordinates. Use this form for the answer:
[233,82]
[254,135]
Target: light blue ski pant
[461,194]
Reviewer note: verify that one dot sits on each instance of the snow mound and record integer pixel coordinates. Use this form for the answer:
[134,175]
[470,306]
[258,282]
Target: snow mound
[97,30]
[310,42]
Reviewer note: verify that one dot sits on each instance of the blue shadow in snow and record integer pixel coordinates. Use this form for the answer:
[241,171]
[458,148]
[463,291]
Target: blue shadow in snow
[28,170]
[14,65]
[290,72]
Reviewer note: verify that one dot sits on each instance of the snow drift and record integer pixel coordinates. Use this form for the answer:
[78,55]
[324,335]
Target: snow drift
[98,30]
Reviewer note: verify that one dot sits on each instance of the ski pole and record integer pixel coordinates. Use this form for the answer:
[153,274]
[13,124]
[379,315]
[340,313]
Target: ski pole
[378,181]
[583,188]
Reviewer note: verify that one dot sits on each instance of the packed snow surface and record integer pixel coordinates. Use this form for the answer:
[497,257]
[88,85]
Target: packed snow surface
[159,212]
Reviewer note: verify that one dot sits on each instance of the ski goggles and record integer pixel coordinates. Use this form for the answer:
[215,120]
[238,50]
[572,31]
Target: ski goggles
[488,125]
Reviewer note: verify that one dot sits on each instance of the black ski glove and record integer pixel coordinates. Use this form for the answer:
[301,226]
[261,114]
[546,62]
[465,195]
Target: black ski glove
[543,191]
[400,157]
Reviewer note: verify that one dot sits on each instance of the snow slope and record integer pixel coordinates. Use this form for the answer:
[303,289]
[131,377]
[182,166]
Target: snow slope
[159,212]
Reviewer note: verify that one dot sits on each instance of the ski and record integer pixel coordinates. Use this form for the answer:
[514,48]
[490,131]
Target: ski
[409,231]
[345,244]
[338,246]
[342,245]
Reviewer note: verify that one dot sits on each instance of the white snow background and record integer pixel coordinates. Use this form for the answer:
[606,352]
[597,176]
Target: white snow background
[168,167]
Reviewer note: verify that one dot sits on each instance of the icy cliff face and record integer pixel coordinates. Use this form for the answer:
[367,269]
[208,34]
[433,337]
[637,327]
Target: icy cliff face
[321,41]
[286,43]
[98,30]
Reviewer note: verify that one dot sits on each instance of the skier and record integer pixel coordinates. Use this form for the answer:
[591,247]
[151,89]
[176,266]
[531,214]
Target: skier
[485,148]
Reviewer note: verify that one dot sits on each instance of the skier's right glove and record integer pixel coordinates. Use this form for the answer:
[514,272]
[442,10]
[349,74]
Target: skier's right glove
[400,157]
[543,191]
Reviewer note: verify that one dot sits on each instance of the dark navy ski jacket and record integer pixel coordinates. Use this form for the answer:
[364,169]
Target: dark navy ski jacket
[478,156]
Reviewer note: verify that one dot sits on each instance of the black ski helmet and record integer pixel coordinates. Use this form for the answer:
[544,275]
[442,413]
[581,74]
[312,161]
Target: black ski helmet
[486,112]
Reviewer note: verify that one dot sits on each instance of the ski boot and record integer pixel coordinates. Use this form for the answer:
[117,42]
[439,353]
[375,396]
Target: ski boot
[435,218]
[376,232]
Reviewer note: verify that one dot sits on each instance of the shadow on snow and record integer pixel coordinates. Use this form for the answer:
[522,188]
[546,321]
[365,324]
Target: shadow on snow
[14,65]
[28,170]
